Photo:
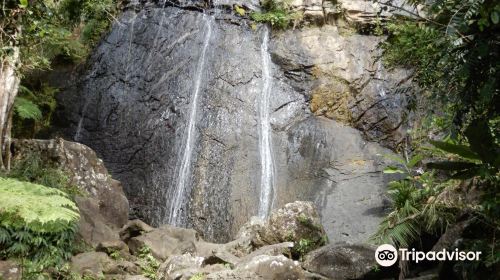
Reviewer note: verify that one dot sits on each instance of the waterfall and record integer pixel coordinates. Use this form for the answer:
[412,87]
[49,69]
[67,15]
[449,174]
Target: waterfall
[78,132]
[379,78]
[265,139]
[184,171]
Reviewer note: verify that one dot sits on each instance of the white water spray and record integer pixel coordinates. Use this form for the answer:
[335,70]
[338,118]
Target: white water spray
[380,80]
[265,140]
[78,132]
[184,171]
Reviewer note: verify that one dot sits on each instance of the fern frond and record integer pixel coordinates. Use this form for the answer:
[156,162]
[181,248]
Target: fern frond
[35,207]
[26,109]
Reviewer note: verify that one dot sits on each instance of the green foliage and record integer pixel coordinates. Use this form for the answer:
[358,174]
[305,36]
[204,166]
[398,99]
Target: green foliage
[116,255]
[34,110]
[27,110]
[35,207]
[277,13]
[31,168]
[46,29]
[239,10]
[304,246]
[416,207]
[94,16]
[37,224]
[40,222]
[149,265]
[455,55]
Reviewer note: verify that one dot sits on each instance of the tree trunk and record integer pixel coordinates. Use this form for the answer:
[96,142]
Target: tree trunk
[9,86]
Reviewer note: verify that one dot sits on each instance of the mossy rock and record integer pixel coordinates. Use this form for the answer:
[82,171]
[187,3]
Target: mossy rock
[332,102]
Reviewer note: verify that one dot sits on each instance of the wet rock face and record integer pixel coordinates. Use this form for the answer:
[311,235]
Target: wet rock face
[344,77]
[132,105]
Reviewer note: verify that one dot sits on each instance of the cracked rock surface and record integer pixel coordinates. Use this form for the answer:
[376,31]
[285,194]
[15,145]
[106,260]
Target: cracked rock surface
[131,104]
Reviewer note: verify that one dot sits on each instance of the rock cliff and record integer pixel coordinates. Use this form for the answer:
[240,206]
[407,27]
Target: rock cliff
[133,104]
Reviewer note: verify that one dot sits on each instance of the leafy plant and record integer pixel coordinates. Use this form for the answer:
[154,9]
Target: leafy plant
[277,13]
[34,110]
[37,224]
[35,207]
[455,55]
[149,265]
[303,247]
[116,255]
[31,168]
[52,28]
[416,207]
[26,109]
[35,33]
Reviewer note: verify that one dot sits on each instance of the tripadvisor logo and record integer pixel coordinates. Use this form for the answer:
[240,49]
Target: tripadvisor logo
[387,255]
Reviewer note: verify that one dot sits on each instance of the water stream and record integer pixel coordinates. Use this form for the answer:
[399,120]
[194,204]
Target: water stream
[78,132]
[265,139]
[175,214]
[379,78]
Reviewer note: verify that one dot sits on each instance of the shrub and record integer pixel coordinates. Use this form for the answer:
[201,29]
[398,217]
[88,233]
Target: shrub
[34,107]
[31,168]
[148,263]
[37,223]
[277,13]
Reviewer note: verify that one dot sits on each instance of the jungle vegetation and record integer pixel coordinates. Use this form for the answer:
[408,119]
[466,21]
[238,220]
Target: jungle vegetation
[450,172]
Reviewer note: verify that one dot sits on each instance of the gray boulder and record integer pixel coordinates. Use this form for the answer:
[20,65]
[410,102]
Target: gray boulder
[93,227]
[262,267]
[134,228]
[93,264]
[165,242]
[180,267]
[272,267]
[341,261]
[296,222]
[115,249]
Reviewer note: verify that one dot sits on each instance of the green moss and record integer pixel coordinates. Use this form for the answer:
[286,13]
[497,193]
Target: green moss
[239,10]
[198,276]
[308,222]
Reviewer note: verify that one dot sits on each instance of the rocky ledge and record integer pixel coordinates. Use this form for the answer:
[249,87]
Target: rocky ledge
[289,245]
